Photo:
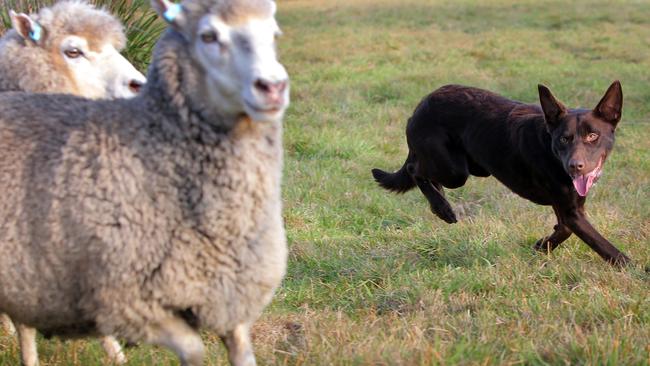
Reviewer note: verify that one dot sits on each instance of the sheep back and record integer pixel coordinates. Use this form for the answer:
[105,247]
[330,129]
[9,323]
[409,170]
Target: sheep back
[114,217]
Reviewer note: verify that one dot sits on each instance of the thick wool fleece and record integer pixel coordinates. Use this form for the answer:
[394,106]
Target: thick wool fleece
[27,66]
[120,214]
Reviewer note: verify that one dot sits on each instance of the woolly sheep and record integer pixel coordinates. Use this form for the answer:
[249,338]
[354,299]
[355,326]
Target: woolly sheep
[152,217]
[71,47]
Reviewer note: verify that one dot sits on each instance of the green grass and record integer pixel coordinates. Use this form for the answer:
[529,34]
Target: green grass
[375,278]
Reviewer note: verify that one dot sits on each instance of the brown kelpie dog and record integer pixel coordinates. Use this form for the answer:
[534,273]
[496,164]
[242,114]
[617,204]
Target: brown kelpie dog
[549,155]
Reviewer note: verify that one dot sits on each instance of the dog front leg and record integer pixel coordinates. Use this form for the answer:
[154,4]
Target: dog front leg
[560,234]
[577,222]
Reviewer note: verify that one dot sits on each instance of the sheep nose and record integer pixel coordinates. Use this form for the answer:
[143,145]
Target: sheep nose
[135,86]
[576,166]
[269,88]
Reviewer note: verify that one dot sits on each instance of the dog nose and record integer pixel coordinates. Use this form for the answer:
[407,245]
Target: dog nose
[270,88]
[576,166]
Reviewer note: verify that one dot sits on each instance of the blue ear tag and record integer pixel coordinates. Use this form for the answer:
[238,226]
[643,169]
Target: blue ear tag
[172,12]
[36,33]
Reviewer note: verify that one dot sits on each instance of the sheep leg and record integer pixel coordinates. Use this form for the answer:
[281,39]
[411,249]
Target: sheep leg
[240,348]
[113,350]
[7,325]
[175,334]
[27,339]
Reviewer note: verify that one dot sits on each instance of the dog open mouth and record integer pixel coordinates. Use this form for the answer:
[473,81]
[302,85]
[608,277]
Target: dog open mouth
[583,183]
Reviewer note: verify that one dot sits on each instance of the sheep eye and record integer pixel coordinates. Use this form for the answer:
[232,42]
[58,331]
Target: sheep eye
[592,137]
[73,53]
[210,37]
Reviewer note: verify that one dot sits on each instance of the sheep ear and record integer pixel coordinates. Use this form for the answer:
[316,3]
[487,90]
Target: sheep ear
[173,13]
[26,27]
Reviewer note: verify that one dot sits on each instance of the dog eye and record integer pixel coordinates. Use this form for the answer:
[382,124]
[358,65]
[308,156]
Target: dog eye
[210,37]
[73,53]
[564,140]
[592,137]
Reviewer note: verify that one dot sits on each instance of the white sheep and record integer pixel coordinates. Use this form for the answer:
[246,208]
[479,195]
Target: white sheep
[152,217]
[71,47]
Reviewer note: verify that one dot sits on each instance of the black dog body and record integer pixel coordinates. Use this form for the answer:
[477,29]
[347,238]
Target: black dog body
[460,131]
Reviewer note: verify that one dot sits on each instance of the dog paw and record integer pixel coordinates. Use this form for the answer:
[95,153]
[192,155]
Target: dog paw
[621,261]
[543,246]
[446,213]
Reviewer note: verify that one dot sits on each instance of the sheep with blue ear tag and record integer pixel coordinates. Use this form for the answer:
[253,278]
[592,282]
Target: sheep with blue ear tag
[71,47]
[159,215]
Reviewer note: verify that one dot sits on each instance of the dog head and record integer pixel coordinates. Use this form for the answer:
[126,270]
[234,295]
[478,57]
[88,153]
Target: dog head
[582,139]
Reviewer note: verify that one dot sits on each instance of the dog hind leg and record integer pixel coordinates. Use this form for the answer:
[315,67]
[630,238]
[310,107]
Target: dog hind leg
[434,193]
[438,159]
[439,204]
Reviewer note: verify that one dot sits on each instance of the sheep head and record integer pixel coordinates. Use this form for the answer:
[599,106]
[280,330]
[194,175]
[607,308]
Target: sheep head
[81,45]
[234,42]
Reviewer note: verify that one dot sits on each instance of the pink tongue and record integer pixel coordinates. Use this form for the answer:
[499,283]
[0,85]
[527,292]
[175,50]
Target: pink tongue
[583,183]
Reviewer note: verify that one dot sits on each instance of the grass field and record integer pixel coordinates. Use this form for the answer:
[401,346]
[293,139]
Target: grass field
[375,278]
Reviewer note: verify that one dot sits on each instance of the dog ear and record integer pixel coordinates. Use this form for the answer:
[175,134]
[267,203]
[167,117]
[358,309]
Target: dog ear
[552,108]
[611,106]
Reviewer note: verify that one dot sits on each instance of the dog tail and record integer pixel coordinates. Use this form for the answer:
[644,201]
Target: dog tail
[398,182]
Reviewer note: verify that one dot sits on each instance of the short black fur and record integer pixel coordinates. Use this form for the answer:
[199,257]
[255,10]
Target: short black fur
[537,152]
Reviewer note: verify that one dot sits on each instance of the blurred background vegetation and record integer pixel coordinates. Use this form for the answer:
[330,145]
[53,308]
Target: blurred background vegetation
[141,23]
